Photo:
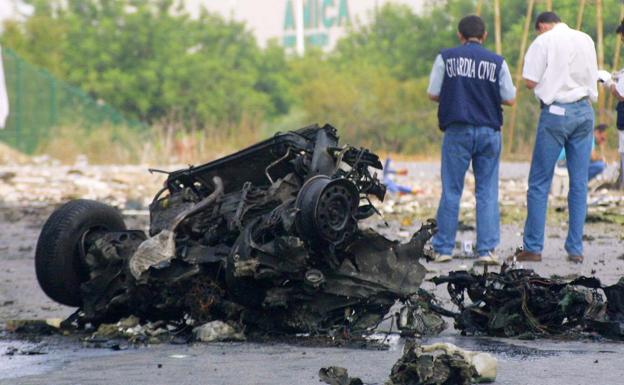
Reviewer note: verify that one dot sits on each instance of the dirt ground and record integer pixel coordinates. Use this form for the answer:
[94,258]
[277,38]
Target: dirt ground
[24,208]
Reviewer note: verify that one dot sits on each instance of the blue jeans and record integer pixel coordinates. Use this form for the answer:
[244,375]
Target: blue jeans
[574,131]
[622,170]
[463,144]
[596,168]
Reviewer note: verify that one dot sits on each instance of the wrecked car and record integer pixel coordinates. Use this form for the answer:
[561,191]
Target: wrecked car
[266,238]
[521,303]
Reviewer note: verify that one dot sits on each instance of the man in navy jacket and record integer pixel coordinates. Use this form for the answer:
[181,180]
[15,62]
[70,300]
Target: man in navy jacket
[471,84]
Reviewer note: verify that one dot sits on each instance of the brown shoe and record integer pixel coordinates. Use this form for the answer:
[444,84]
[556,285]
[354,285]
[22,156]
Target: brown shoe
[527,256]
[575,258]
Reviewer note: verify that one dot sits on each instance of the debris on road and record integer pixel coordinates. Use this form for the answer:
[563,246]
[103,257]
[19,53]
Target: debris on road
[435,364]
[335,375]
[33,327]
[520,303]
[417,319]
[442,364]
[217,331]
[34,350]
[266,240]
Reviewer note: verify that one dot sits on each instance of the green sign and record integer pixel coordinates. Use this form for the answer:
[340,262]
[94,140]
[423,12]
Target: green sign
[319,16]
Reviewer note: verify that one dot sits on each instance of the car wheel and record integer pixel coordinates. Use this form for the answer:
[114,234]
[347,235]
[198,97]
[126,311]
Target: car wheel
[60,249]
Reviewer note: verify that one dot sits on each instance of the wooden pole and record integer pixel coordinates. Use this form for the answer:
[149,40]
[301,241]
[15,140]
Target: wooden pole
[616,54]
[579,16]
[600,51]
[549,5]
[479,6]
[514,109]
[497,27]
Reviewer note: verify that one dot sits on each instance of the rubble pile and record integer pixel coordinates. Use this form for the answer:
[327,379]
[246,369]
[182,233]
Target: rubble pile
[47,182]
[520,303]
[335,375]
[436,364]
[273,248]
[442,364]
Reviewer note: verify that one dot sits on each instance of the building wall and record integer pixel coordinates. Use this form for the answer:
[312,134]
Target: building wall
[325,20]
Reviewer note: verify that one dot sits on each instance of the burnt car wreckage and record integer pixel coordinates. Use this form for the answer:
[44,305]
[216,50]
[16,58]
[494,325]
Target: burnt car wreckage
[520,303]
[266,238]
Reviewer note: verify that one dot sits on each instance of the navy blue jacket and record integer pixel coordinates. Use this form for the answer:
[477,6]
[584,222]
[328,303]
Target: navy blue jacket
[470,91]
[620,115]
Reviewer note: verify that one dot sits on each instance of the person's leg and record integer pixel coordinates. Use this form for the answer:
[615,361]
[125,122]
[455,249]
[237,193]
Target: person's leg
[545,154]
[622,170]
[456,154]
[578,147]
[485,164]
[596,168]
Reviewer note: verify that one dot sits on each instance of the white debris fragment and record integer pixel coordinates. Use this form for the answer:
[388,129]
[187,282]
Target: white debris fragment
[215,331]
[159,249]
[484,363]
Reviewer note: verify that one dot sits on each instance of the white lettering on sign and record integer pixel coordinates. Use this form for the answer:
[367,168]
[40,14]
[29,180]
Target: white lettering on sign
[467,67]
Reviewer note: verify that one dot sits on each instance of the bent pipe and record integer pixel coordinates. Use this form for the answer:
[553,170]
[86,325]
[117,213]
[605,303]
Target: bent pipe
[210,199]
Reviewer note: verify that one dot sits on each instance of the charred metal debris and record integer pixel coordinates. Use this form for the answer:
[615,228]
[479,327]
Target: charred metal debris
[520,303]
[266,239]
[436,364]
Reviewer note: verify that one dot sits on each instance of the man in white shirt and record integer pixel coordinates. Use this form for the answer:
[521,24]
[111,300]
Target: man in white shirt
[560,66]
[4,99]
[617,88]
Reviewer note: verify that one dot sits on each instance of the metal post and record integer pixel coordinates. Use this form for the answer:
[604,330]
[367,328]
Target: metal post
[600,52]
[616,54]
[479,6]
[579,16]
[514,109]
[497,27]
[300,27]
[18,102]
[53,102]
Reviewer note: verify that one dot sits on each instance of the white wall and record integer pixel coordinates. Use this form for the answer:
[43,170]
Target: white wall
[14,9]
[269,19]
[326,21]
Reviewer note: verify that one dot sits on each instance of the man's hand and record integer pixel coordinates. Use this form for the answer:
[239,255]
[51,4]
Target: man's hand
[616,94]
[530,84]
[435,98]
[509,102]
[604,76]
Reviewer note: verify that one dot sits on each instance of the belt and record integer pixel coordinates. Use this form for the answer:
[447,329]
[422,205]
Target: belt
[542,104]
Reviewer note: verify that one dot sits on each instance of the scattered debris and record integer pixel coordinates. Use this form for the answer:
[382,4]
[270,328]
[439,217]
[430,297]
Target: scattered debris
[520,303]
[416,319]
[110,335]
[34,327]
[442,364]
[436,364]
[335,375]
[389,176]
[273,248]
[462,226]
[217,331]
[26,351]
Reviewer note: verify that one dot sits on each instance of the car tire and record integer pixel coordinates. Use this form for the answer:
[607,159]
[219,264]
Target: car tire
[58,262]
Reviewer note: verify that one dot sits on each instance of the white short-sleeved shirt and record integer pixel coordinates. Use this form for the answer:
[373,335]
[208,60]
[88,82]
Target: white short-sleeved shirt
[4,100]
[619,85]
[619,88]
[563,63]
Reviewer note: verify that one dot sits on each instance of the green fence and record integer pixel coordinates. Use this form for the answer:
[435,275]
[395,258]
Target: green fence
[39,102]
